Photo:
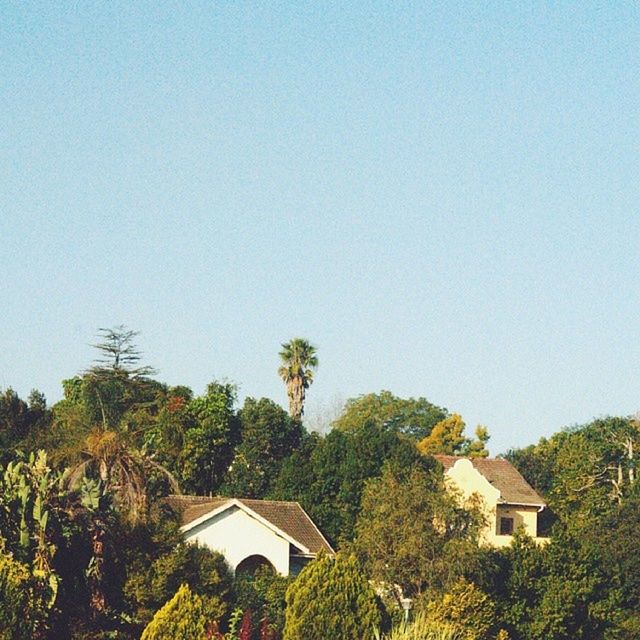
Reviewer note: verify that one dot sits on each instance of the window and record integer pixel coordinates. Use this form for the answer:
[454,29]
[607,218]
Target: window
[506,526]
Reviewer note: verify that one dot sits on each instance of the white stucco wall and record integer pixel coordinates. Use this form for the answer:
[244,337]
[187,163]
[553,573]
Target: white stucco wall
[468,480]
[238,535]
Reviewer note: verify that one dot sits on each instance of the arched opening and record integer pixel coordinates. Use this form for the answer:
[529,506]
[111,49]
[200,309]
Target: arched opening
[252,563]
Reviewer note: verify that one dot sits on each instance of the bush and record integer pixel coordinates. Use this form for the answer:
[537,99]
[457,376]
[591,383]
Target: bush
[331,598]
[204,571]
[466,608]
[263,593]
[424,629]
[182,618]
[20,615]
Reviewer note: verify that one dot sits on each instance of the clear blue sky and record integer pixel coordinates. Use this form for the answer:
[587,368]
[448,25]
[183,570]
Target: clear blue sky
[443,197]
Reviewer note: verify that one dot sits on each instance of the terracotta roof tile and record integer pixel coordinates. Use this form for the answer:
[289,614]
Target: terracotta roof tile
[514,489]
[289,517]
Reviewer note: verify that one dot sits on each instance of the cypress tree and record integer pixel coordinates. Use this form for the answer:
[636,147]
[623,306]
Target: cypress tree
[331,598]
[182,618]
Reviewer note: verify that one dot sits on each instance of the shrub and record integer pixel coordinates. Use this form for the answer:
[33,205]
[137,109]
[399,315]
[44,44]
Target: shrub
[22,611]
[331,598]
[466,608]
[424,629]
[182,618]
[263,593]
[204,571]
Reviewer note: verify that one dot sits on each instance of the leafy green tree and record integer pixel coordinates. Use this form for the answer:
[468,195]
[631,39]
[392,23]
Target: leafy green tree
[209,443]
[413,417]
[204,571]
[448,438]
[102,427]
[329,483]
[21,423]
[263,593]
[46,529]
[166,437]
[27,490]
[415,534]
[557,592]
[592,469]
[14,418]
[621,562]
[585,470]
[296,474]
[574,597]
[182,618]
[517,586]
[117,386]
[267,436]
[331,598]
[299,359]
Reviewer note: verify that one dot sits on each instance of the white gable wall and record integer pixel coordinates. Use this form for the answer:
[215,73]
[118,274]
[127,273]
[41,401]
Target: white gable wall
[237,535]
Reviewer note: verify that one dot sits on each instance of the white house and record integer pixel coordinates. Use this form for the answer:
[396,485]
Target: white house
[509,500]
[252,532]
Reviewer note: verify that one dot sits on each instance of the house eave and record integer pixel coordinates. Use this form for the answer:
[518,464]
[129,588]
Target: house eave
[238,503]
[538,505]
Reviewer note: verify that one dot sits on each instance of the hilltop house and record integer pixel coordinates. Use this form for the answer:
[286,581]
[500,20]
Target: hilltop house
[509,499]
[250,533]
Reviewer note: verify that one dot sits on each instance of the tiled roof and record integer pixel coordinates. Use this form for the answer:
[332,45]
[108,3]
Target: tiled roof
[514,489]
[289,517]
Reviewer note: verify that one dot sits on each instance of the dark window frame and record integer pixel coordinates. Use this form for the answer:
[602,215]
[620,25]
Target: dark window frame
[506,526]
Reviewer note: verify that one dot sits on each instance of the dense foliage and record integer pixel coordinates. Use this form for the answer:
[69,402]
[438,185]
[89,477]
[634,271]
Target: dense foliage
[182,618]
[331,598]
[89,548]
[413,417]
[413,534]
[21,611]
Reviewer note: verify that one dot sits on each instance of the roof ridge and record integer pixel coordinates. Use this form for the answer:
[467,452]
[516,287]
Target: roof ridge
[267,500]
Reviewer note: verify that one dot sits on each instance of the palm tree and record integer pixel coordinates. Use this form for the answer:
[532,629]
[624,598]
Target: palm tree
[298,362]
[122,470]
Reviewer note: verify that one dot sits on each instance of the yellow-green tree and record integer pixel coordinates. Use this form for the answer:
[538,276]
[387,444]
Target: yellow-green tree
[331,598]
[467,608]
[478,448]
[447,437]
[414,534]
[21,617]
[182,618]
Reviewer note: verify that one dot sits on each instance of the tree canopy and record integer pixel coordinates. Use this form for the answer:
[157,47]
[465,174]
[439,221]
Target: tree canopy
[413,417]
[413,533]
[331,599]
[90,548]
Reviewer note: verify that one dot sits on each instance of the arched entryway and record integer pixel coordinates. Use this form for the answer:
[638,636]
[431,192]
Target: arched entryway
[252,563]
